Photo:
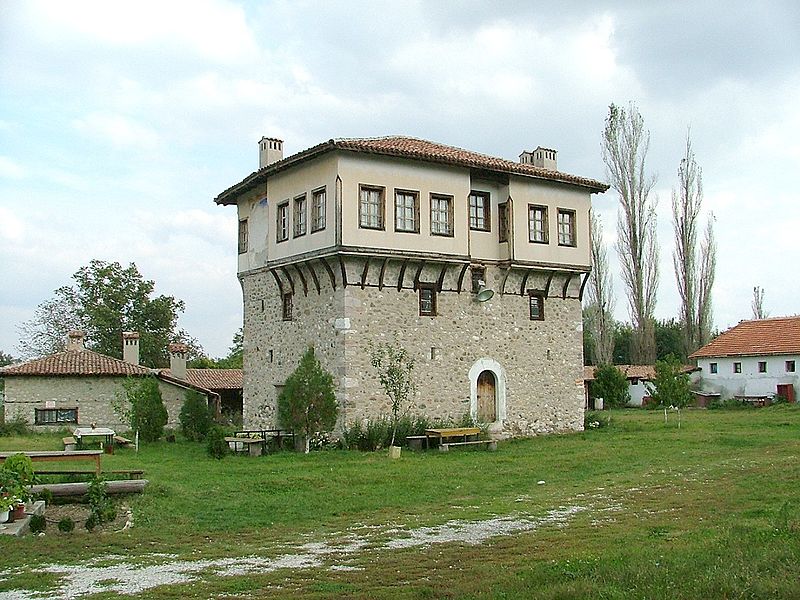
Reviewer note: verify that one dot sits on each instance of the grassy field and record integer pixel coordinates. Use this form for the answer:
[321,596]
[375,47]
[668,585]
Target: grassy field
[711,510]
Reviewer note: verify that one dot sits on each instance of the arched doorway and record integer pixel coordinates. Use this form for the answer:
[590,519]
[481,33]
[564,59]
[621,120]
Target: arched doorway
[487,397]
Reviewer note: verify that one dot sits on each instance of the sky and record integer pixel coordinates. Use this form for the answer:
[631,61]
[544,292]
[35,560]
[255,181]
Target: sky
[121,121]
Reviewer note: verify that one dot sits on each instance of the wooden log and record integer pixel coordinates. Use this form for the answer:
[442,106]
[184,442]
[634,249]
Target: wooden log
[130,486]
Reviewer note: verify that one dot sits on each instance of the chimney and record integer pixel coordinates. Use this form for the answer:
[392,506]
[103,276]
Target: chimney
[130,347]
[177,360]
[270,150]
[75,340]
[544,158]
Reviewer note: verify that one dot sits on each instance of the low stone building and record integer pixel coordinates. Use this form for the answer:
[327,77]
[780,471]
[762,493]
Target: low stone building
[80,387]
[475,264]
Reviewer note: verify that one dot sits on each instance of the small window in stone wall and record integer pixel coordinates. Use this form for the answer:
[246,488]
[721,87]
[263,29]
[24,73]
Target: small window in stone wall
[427,300]
[287,307]
[478,277]
[54,416]
[536,306]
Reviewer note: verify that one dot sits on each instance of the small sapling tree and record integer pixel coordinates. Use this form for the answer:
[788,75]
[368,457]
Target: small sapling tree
[670,388]
[610,385]
[307,402]
[195,416]
[141,406]
[394,366]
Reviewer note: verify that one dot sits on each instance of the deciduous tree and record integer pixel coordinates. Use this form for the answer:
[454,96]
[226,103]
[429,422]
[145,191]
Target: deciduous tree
[600,298]
[625,146]
[394,366]
[757,303]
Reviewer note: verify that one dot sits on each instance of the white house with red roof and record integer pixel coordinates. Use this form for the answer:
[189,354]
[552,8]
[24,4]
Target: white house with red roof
[753,360]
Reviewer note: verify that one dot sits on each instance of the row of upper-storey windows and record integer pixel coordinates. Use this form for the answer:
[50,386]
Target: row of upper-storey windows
[372,210]
[300,217]
[789,367]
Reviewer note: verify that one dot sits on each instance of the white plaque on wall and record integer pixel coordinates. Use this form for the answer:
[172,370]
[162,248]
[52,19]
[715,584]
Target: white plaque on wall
[50,404]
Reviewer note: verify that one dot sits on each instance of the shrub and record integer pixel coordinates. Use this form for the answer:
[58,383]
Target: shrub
[307,402]
[17,426]
[670,386]
[142,407]
[195,416]
[45,495]
[376,434]
[216,446]
[595,419]
[38,523]
[101,506]
[91,522]
[66,525]
[610,385]
[394,366]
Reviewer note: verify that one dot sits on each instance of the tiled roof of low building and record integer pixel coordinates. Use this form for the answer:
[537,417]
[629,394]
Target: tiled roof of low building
[760,337]
[212,379]
[76,363]
[411,148]
[645,372]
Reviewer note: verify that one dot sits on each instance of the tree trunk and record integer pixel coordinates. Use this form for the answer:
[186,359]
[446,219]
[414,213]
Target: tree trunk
[133,486]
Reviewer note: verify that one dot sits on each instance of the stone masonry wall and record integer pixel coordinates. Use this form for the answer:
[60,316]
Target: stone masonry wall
[93,396]
[542,360]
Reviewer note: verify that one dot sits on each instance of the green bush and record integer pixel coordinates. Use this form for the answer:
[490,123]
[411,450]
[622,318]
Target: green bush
[216,446]
[195,416]
[610,385]
[38,523]
[66,525]
[101,505]
[17,426]
[376,434]
[143,408]
[596,419]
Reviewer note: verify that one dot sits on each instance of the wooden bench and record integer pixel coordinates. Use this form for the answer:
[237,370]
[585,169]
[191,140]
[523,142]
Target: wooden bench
[70,445]
[121,441]
[131,473]
[445,434]
[60,455]
[490,444]
[253,445]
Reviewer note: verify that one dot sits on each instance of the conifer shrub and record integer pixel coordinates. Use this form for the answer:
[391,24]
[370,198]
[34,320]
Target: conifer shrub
[195,416]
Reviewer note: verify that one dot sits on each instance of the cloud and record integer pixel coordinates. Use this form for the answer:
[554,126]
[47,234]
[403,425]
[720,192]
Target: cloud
[9,169]
[117,130]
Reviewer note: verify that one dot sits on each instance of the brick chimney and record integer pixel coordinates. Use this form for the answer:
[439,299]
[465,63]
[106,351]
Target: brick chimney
[75,340]
[130,347]
[177,360]
[270,150]
[544,158]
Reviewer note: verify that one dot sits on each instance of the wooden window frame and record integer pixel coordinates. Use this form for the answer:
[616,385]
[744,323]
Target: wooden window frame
[532,208]
[243,236]
[318,209]
[535,298]
[282,229]
[487,207]
[572,227]
[737,367]
[503,220]
[428,287]
[381,226]
[398,193]
[287,305]
[300,215]
[450,202]
[37,412]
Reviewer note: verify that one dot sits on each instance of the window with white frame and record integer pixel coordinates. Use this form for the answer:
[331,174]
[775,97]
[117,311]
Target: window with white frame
[282,229]
[406,211]
[300,215]
[479,211]
[441,214]
[537,224]
[318,201]
[566,227]
[371,207]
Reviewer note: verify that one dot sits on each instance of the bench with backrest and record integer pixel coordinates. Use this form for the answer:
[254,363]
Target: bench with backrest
[458,436]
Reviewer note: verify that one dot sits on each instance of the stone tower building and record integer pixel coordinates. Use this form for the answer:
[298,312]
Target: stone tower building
[475,264]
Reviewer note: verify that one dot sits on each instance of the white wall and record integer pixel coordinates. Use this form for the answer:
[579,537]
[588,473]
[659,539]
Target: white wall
[749,382]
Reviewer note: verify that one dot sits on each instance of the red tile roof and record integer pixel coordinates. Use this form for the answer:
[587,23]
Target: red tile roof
[755,338]
[212,379]
[646,372]
[76,363]
[411,148]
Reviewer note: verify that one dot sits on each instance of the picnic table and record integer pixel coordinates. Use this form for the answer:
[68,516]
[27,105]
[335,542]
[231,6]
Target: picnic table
[59,455]
[254,445]
[105,433]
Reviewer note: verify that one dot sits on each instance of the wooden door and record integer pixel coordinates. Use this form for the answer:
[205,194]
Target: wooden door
[487,398]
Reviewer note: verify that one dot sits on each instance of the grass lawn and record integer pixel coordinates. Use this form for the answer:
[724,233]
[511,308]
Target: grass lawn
[711,510]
